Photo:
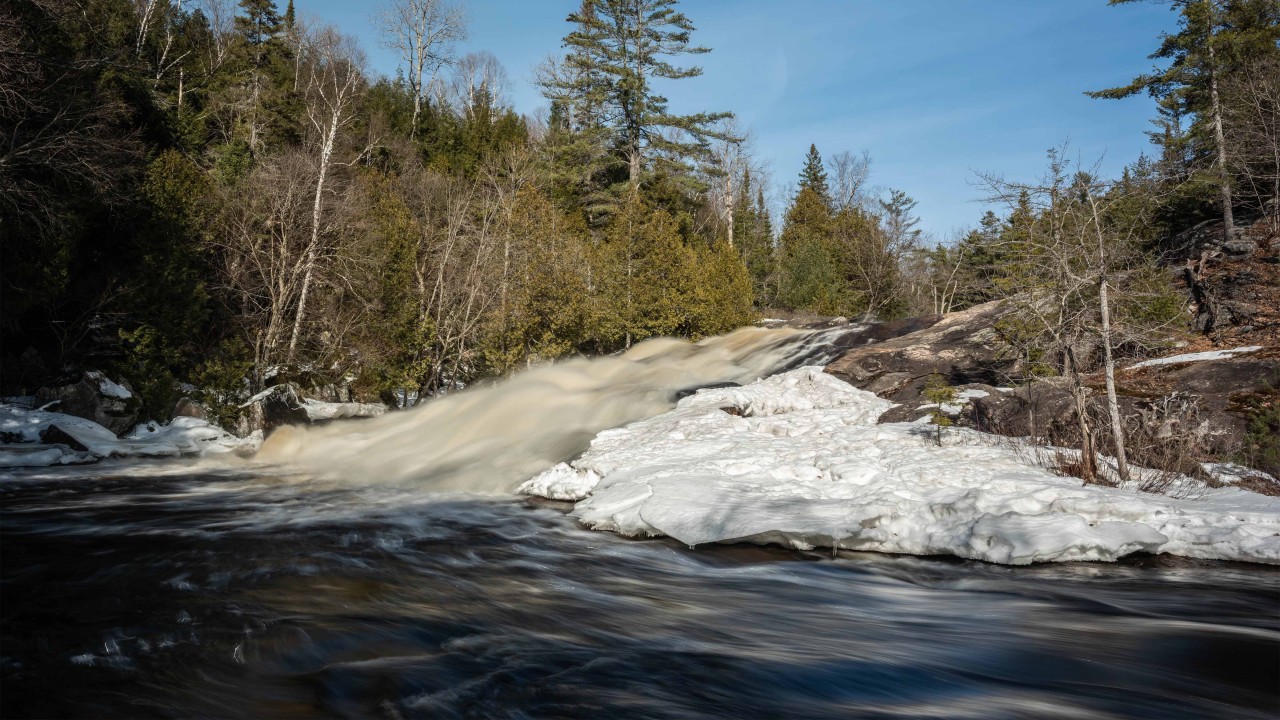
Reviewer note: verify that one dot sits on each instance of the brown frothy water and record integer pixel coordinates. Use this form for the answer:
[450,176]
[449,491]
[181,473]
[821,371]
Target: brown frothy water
[489,439]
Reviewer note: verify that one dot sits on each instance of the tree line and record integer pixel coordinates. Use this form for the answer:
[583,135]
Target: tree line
[203,194]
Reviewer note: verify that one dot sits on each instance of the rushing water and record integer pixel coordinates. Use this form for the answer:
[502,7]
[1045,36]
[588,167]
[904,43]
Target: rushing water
[352,584]
[179,591]
[489,439]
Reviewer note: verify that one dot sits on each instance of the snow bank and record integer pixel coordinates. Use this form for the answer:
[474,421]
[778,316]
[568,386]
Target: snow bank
[185,436]
[1196,357]
[799,460]
[182,436]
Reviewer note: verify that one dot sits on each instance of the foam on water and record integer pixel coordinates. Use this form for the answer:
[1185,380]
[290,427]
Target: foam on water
[489,439]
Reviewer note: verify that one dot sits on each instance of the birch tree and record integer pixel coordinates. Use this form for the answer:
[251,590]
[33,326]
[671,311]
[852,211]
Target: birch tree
[477,78]
[728,169]
[261,240]
[422,32]
[335,80]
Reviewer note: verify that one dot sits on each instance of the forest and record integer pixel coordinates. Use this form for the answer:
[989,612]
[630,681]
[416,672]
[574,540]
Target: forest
[208,198]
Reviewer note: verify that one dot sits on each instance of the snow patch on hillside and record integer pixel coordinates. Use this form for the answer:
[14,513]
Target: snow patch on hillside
[1196,357]
[798,460]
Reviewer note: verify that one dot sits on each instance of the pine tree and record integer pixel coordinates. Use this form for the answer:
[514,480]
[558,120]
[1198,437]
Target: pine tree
[604,87]
[1215,38]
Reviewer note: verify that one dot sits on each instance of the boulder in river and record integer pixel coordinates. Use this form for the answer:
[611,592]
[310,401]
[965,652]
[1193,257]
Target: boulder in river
[94,396]
[284,405]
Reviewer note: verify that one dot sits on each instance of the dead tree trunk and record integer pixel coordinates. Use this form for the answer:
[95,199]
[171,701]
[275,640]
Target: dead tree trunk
[1113,404]
[1088,457]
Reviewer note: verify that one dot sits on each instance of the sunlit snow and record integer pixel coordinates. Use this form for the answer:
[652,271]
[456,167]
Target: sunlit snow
[798,460]
[1196,357]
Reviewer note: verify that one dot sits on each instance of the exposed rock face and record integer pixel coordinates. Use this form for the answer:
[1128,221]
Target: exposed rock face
[1234,281]
[1195,408]
[268,410]
[95,397]
[1206,240]
[1238,302]
[1216,388]
[961,346]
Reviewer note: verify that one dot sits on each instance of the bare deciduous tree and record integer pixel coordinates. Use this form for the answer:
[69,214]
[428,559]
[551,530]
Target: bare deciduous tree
[849,188]
[423,33]
[221,18]
[55,131]
[477,76]
[261,241]
[1252,131]
[335,79]
[1070,260]
[730,159]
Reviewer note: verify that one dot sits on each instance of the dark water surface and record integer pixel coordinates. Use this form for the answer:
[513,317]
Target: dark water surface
[199,594]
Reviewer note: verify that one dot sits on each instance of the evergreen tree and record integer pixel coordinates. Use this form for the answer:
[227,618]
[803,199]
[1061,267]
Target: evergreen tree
[1215,38]
[899,219]
[267,89]
[722,293]
[754,236]
[814,176]
[649,278]
[809,277]
[615,50]
[397,339]
[259,26]
[982,259]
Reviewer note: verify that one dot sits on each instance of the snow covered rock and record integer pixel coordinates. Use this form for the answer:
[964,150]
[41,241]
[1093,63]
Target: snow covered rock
[1196,357]
[51,438]
[284,405]
[94,396]
[799,460]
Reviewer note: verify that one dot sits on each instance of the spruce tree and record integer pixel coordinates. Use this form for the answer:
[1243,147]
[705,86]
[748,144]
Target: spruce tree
[814,175]
[273,112]
[899,218]
[259,25]
[754,236]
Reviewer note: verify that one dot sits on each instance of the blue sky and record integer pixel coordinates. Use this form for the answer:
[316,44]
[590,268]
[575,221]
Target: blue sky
[934,89]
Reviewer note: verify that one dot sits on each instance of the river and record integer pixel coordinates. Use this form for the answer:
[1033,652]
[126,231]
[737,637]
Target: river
[180,590]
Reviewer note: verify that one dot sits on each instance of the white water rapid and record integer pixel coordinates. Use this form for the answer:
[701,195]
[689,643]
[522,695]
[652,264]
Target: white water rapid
[489,439]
